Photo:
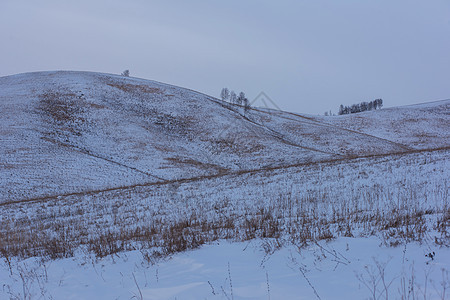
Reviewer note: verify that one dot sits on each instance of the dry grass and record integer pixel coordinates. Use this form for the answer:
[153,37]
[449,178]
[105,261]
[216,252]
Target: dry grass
[179,161]
[63,108]
[168,218]
[187,226]
[64,111]
[132,88]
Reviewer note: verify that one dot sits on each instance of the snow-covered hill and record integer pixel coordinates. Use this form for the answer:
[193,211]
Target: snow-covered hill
[71,132]
[419,126]
[103,177]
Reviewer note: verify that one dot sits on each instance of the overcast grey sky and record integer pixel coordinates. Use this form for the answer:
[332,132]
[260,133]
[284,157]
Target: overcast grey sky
[308,56]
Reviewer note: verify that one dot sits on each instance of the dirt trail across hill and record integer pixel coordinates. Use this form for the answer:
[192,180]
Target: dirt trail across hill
[207,177]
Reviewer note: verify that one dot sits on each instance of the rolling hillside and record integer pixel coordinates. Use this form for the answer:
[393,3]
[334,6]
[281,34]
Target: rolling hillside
[72,132]
[103,178]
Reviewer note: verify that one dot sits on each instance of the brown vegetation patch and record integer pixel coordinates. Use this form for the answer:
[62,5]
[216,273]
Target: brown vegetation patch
[62,107]
[64,110]
[129,88]
[195,163]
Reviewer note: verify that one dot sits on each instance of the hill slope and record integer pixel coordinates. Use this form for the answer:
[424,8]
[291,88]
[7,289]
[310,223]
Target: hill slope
[420,126]
[107,176]
[69,132]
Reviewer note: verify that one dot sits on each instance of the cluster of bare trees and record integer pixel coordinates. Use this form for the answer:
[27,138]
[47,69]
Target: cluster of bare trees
[360,107]
[231,97]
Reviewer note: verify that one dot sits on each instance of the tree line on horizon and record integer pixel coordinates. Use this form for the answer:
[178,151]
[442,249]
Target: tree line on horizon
[360,107]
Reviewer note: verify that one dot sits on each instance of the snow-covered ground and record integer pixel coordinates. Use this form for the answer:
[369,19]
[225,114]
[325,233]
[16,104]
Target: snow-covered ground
[347,268]
[114,187]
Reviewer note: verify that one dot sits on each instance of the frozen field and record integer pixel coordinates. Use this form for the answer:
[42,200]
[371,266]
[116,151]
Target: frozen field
[124,188]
